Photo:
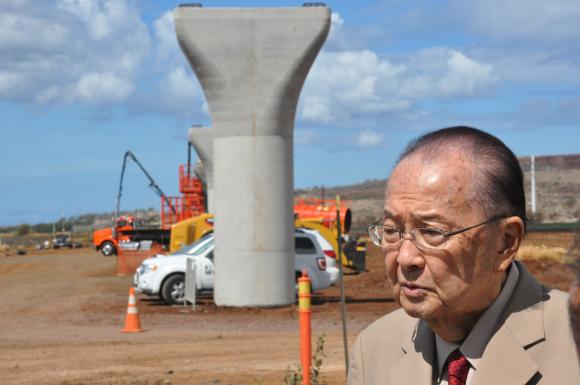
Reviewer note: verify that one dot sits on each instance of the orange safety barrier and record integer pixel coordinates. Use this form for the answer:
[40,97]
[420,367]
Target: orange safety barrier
[324,209]
[305,314]
[129,260]
[132,322]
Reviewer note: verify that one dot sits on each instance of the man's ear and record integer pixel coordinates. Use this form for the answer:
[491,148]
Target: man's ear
[511,236]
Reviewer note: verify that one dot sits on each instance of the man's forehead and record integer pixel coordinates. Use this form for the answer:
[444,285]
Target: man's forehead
[445,181]
[426,215]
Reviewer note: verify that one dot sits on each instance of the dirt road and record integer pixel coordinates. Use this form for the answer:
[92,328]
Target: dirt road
[62,312]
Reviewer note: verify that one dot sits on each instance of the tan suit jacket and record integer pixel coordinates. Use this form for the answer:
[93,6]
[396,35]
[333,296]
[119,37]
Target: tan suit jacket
[532,344]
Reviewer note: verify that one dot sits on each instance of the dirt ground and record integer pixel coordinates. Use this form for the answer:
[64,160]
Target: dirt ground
[62,312]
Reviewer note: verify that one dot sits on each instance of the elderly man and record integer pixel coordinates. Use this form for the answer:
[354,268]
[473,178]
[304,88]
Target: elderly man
[454,218]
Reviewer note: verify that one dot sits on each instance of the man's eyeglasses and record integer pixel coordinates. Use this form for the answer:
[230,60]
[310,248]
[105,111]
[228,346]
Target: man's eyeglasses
[424,237]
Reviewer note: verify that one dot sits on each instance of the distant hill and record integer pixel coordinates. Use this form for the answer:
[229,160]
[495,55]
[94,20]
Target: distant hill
[88,222]
[557,192]
[557,198]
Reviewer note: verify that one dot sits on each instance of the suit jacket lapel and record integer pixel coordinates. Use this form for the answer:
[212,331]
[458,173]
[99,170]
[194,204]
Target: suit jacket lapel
[505,359]
[416,364]
[505,362]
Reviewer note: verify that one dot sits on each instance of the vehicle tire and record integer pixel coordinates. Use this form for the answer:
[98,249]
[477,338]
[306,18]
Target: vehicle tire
[173,289]
[108,248]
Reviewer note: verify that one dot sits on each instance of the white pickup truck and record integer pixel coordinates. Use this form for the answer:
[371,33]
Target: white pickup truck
[164,276]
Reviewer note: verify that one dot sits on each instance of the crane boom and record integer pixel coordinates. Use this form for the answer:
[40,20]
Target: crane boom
[152,184]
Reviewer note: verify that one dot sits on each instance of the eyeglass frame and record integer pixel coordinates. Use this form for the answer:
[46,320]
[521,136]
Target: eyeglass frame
[411,232]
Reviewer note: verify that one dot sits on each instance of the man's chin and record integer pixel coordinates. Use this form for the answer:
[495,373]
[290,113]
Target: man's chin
[413,313]
[415,309]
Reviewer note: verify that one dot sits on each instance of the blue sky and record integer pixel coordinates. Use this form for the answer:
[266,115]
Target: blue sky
[82,81]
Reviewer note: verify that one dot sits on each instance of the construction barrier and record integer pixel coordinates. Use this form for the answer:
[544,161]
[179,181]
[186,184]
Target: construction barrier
[323,209]
[132,321]
[305,313]
[129,260]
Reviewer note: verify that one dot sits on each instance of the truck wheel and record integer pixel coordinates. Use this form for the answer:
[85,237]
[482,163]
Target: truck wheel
[173,289]
[108,248]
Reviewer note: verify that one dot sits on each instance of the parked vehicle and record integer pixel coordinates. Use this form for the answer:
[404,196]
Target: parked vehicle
[329,254]
[62,240]
[164,276]
[107,240]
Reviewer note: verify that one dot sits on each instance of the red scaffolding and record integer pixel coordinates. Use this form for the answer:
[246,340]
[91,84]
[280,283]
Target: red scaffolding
[191,203]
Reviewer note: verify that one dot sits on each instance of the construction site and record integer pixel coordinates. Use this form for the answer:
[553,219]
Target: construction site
[216,291]
[63,312]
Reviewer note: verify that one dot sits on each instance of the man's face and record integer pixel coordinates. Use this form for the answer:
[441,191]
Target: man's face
[459,280]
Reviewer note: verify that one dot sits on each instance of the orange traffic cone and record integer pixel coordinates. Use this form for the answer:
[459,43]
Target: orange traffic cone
[132,322]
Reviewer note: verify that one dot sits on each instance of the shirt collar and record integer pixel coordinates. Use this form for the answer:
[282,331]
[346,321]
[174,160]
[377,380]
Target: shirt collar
[474,344]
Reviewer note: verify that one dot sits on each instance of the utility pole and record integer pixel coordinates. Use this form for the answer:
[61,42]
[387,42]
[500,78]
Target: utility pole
[341,280]
[533,181]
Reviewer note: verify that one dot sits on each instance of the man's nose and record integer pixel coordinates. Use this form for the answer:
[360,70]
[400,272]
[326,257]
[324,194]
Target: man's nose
[409,256]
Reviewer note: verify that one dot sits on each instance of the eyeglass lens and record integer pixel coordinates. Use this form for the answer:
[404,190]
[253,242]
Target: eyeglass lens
[386,236]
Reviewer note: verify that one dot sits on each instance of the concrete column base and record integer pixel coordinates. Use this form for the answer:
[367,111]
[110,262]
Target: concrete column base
[255,246]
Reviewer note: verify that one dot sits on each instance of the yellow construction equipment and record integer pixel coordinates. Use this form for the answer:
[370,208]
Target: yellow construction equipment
[190,230]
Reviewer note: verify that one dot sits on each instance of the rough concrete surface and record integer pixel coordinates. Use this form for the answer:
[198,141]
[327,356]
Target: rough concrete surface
[251,64]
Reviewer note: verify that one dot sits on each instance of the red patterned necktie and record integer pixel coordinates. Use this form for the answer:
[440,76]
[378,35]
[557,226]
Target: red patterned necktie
[457,368]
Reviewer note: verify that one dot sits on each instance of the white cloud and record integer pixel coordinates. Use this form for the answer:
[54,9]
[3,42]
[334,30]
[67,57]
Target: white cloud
[167,45]
[100,18]
[317,109]
[96,52]
[71,51]
[102,52]
[525,41]
[346,84]
[178,92]
[336,22]
[465,76]
[181,85]
[533,42]
[369,138]
[97,87]
[541,67]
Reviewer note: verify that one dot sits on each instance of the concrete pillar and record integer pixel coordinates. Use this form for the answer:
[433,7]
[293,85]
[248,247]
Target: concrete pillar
[202,141]
[252,63]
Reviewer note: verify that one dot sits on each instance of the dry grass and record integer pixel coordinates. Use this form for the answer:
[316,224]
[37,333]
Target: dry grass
[559,247]
[538,252]
[5,250]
